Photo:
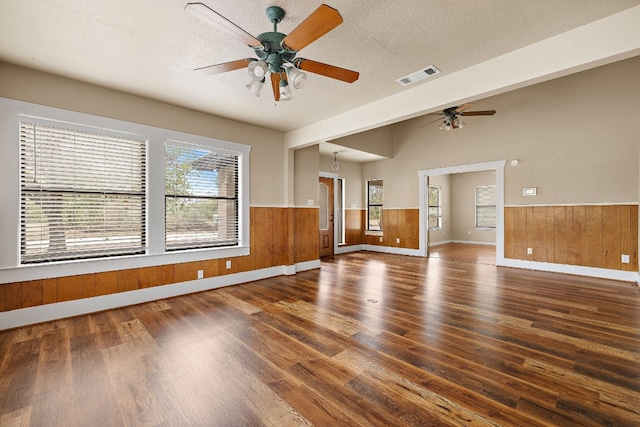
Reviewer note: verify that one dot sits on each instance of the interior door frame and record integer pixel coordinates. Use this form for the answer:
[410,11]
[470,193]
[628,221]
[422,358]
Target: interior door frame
[335,177]
[423,176]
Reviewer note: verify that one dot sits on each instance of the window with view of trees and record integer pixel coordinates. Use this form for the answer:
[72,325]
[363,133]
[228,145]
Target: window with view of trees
[374,205]
[486,206]
[82,192]
[201,197]
[435,208]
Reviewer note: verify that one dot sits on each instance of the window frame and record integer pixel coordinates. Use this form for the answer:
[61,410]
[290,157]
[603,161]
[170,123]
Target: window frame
[493,205]
[155,254]
[198,242]
[438,188]
[63,180]
[375,205]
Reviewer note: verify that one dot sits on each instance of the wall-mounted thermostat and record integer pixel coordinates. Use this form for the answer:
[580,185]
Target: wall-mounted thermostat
[529,191]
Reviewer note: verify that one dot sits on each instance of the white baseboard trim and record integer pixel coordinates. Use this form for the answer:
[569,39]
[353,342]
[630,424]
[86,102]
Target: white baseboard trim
[347,249]
[308,265]
[45,313]
[391,250]
[442,242]
[469,242]
[603,273]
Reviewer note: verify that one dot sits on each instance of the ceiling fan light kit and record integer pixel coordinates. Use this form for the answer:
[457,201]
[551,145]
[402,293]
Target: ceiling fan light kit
[255,86]
[285,91]
[276,52]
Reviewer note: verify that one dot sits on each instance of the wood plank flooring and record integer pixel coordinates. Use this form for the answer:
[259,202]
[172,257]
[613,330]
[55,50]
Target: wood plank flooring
[367,340]
[481,254]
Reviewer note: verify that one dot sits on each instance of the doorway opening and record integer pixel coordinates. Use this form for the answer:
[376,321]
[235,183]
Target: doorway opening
[479,212]
[331,228]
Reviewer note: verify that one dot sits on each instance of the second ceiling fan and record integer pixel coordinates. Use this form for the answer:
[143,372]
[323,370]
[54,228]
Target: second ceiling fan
[275,51]
[451,116]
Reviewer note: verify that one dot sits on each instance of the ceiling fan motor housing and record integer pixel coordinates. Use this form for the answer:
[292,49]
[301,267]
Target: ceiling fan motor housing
[272,51]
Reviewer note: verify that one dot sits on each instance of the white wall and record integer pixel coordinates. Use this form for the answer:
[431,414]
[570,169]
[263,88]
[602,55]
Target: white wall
[463,194]
[576,139]
[443,234]
[306,167]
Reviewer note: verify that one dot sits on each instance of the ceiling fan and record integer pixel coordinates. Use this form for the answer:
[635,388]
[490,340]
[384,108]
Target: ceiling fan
[275,51]
[450,117]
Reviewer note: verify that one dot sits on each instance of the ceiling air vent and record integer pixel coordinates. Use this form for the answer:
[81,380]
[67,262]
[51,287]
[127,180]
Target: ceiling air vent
[418,75]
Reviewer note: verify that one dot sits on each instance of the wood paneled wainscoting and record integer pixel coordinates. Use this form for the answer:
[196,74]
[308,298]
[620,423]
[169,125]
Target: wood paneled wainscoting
[354,224]
[397,224]
[279,237]
[585,235]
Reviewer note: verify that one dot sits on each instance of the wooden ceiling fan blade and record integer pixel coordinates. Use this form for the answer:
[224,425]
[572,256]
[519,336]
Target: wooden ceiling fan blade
[211,70]
[319,23]
[213,18]
[327,70]
[479,113]
[275,83]
[464,107]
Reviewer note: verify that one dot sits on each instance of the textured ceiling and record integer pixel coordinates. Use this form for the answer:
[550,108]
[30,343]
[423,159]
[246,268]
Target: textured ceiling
[150,47]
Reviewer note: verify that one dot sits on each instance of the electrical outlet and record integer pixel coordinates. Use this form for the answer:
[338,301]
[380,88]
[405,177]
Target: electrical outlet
[529,251]
[200,274]
[228,264]
[625,259]
[381,239]
[398,240]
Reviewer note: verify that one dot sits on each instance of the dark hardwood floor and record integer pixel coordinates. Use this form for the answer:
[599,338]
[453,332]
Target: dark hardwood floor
[368,340]
[465,252]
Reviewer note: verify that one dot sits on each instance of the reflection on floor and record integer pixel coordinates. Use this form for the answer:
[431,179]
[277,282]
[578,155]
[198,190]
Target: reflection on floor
[480,254]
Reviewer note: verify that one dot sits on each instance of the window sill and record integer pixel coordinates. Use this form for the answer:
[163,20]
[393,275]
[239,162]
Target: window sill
[373,233]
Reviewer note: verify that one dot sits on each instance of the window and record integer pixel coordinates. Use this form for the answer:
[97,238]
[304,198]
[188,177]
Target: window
[435,208]
[87,193]
[486,206]
[374,205]
[82,192]
[201,197]
[323,197]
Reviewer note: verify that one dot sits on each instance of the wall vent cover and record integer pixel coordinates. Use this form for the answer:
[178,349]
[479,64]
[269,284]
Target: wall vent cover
[418,76]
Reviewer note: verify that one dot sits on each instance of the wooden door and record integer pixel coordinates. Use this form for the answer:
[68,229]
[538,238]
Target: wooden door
[325,195]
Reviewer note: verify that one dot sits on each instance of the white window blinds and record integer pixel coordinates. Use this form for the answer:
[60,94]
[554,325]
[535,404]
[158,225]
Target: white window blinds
[486,206]
[82,192]
[201,197]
